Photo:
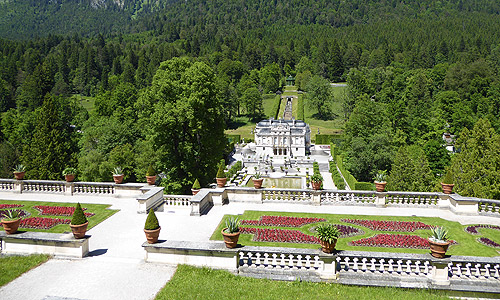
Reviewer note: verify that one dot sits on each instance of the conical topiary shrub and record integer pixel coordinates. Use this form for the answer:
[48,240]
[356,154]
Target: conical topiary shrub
[152,227]
[79,222]
[221,176]
[196,187]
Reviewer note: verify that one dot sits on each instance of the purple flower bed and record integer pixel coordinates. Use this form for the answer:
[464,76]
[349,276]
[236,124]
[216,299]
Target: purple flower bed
[488,242]
[279,235]
[345,230]
[473,228]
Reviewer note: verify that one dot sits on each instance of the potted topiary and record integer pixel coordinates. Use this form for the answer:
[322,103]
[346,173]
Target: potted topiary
[231,232]
[196,187]
[151,175]
[328,235]
[11,220]
[447,183]
[316,181]
[118,175]
[379,180]
[69,174]
[257,180]
[19,171]
[439,242]
[221,176]
[152,227]
[79,222]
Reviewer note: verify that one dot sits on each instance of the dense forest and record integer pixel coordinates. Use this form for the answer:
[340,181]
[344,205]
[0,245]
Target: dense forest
[415,69]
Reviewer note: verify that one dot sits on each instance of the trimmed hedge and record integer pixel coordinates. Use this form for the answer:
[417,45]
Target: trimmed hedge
[234,169]
[364,186]
[233,138]
[78,216]
[336,177]
[300,109]
[351,181]
[276,107]
[325,139]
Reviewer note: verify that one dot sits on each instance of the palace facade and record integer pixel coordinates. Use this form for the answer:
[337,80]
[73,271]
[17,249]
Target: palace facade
[290,138]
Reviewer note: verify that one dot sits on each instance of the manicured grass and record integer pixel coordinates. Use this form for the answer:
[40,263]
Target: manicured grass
[101,212]
[467,244]
[12,267]
[268,103]
[203,283]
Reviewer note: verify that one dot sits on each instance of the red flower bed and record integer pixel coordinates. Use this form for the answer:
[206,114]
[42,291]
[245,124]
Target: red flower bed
[400,226]
[4,206]
[58,210]
[473,228]
[282,221]
[393,241]
[488,242]
[279,235]
[345,230]
[42,223]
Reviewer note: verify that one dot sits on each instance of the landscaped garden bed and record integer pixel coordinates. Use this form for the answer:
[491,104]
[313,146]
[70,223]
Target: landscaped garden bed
[53,216]
[362,233]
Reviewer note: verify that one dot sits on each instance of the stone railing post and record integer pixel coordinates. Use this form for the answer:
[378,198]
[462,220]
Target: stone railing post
[18,186]
[444,201]
[316,197]
[439,272]
[69,188]
[380,199]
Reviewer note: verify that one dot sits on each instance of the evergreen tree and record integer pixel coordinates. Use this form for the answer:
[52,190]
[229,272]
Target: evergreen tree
[410,171]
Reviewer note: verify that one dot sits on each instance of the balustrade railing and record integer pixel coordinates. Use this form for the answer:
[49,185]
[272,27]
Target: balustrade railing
[489,207]
[412,198]
[179,201]
[384,265]
[43,186]
[6,185]
[471,270]
[348,197]
[275,260]
[93,188]
[289,195]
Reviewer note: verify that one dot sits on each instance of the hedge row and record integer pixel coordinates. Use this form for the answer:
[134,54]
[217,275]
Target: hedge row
[233,138]
[300,109]
[351,181]
[364,186]
[325,139]
[234,169]
[337,178]
[276,107]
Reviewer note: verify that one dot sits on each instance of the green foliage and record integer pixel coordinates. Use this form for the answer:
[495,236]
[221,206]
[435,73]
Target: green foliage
[69,171]
[381,176]
[411,171]
[327,232]
[19,168]
[232,225]
[220,172]
[364,186]
[234,138]
[326,139]
[439,234]
[257,175]
[349,178]
[300,109]
[316,177]
[276,107]
[319,96]
[151,171]
[151,221]
[196,185]
[14,266]
[117,171]
[10,214]
[78,216]
[448,178]
[237,166]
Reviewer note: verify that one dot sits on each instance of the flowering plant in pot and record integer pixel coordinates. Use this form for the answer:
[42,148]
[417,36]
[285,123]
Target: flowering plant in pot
[257,180]
[316,181]
[328,235]
[152,227]
[69,174]
[221,176]
[196,187]
[19,171]
[11,220]
[118,175]
[380,180]
[231,232]
[79,222]
[447,183]
[439,242]
[151,175]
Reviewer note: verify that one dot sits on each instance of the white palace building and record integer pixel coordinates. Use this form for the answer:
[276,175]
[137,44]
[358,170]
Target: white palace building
[282,138]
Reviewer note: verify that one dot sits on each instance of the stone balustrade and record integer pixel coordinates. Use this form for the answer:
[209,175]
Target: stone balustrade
[152,197]
[177,201]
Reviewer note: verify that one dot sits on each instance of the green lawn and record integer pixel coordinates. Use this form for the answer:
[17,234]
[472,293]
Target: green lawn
[101,211]
[467,244]
[86,102]
[12,267]
[203,283]
[268,101]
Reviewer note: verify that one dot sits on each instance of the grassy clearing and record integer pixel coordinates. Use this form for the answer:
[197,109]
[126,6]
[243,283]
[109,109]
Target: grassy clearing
[86,102]
[101,211]
[203,283]
[467,244]
[268,103]
[12,267]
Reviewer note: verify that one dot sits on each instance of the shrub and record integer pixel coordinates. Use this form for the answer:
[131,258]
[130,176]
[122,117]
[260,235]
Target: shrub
[69,171]
[220,172]
[20,168]
[325,139]
[233,225]
[448,178]
[234,169]
[233,138]
[151,221]
[317,177]
[276,107]
[196,185]
[351,181]
[380,176]
[300,109]
[363,186]
[328,232]
[78,216]
[151,171]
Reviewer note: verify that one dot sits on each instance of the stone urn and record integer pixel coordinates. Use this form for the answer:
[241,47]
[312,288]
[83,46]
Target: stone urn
[19,175]
[231,239]
[257,183]
[151,180]
[152,235]
[69,177]
[328,247]
[79,230]
[447,188]
[380,186]
[195,191]
[316,185]
[438,249]
[11,226]
[118,178]
[221,182]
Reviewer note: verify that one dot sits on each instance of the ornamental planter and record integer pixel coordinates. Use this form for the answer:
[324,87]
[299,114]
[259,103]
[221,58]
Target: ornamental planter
[19,175]
[79,230]
[316,185]
[152,235]
[151,179]
[118,178]
[380,186]
[231,239]
[447,188]
[438,250]
[11,226]
[195,191]
[257,183]
[327,247]
[69,177]
[221,182]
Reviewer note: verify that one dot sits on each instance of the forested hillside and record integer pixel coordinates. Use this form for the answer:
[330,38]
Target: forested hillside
[415,69]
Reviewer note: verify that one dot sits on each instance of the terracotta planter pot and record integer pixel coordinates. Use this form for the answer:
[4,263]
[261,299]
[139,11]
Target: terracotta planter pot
[447,188]
[19,175]
[380,186]
[118,178]
[438,250]
[11,226]
[79,230]
[257,183]
[152,235]
[327,247]
[194,191]
[316,185]
[221,182]
[151,179]
[69,177]
[231,239]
